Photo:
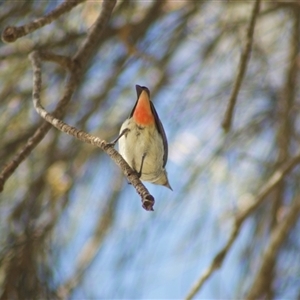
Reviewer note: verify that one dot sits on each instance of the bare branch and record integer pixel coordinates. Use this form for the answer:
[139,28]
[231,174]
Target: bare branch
[90,45]
[227,122]
[32,142]
[277,238]
[64,61]
[270,185]
[147,199]
[11,33]
[78,68]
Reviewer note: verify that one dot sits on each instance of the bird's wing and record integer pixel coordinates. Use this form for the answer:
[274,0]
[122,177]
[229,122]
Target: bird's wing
[161,130]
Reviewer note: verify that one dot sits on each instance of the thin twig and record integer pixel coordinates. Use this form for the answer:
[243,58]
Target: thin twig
[227,122]
[270,185]
[132,176]
[12,33]
[78,66]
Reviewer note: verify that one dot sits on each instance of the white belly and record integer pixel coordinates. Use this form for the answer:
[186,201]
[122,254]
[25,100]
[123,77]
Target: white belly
[139,141]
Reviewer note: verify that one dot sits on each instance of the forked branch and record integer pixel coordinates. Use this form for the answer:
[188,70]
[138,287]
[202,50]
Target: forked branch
[76,66]
[146,197]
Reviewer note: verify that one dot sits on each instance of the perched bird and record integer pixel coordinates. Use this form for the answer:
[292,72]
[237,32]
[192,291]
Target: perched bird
[143,142]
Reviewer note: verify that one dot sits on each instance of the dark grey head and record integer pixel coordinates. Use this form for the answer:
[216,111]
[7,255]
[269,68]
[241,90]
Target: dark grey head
[139,90]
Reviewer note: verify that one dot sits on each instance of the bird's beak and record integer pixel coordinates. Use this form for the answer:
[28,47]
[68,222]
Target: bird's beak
[139,90]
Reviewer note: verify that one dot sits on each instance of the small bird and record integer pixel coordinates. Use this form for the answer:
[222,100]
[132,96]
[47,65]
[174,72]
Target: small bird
[143,142]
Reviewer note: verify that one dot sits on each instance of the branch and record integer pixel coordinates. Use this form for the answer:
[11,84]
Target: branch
[270,185]
[39,134]
[12,33]
[278,236]
[227,122]
[147,199]
[77,66]
[64,61]
[91,45]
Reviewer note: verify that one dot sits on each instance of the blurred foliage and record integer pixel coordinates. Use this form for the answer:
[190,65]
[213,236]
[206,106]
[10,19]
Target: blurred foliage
[70,225]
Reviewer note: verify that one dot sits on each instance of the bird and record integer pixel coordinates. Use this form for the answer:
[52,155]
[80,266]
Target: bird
[142,141]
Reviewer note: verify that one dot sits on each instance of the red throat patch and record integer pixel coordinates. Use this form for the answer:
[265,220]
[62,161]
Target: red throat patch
[142,113]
